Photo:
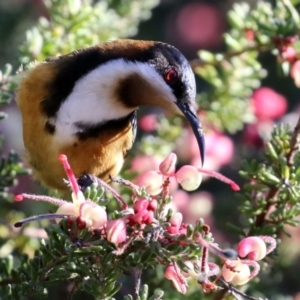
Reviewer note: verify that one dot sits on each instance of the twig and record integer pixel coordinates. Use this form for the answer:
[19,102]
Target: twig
[233,290]
[294,144]
[228,55]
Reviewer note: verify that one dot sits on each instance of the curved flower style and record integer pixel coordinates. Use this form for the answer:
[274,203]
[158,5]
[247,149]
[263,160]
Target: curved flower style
[88,213]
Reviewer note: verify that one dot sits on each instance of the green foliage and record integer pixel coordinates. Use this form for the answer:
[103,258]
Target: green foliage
[234,74]
[270,199]
[10,167]
[75,24]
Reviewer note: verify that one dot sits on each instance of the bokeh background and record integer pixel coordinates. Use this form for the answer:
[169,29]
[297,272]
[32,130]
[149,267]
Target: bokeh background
[190,26]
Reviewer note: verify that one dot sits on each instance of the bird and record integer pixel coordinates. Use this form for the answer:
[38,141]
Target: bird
[84,105]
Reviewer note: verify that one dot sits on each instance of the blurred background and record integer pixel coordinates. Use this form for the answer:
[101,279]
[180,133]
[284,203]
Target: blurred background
[190,26]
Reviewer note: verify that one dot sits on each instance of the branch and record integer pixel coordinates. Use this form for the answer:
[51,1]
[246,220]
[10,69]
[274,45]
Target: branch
[195,63]
[294,147]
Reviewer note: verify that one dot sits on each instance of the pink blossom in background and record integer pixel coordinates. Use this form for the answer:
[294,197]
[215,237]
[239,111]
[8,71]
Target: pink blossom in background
[268,104]
[196,25]
[219,149]
[148,122]
[144,163]
[289,54]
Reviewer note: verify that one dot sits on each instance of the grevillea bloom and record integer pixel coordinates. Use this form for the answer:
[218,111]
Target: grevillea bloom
[174,274]
[239,276]
[253,248]
[189,178]
[88,213]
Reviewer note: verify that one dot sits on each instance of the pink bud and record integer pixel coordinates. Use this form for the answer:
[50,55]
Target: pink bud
[152,182]
[116,231]
[237,274]
[140,204]
[176,219]
[167,167]
[152,205]
[189,178]
[175,222]
[139,217]
[148,219]
[295,73]
[252,247]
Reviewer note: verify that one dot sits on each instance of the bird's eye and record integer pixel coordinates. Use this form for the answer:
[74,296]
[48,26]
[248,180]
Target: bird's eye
[171,76]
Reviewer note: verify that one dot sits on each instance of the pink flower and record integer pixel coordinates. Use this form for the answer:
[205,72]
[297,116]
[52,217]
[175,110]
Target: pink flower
[288,54]
[237,274]
[174,274]
[255,248]
[143,211]
[148,122]
[268,104]
[116,231]
[88,213]
[252,247]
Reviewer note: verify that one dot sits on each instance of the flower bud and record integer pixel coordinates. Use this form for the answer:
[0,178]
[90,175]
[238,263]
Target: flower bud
[141,204]
[116,231]
[152,205]
[167,167]
[189,178]
[175,222]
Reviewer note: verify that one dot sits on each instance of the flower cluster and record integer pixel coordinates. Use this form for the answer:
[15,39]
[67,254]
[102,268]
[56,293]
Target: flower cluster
[189,177]
[163,233]
[235,269]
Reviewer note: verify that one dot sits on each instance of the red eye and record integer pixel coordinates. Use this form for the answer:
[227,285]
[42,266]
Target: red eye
[171,76]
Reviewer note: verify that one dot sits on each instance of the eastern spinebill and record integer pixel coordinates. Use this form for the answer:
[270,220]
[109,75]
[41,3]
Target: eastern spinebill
[84,105]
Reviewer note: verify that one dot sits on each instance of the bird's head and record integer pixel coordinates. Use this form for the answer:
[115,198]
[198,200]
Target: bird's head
[163,78]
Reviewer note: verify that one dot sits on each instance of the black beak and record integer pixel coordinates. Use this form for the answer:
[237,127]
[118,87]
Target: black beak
[195,123]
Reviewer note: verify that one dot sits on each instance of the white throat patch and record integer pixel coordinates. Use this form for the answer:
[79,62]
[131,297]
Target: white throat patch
[94,96]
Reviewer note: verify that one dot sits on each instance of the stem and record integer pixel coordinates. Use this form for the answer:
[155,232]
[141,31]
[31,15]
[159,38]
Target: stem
[294,144]
[234,290]
[137,285]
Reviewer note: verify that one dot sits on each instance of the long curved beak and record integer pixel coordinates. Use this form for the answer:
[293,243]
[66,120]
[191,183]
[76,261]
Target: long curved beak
[195,123]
